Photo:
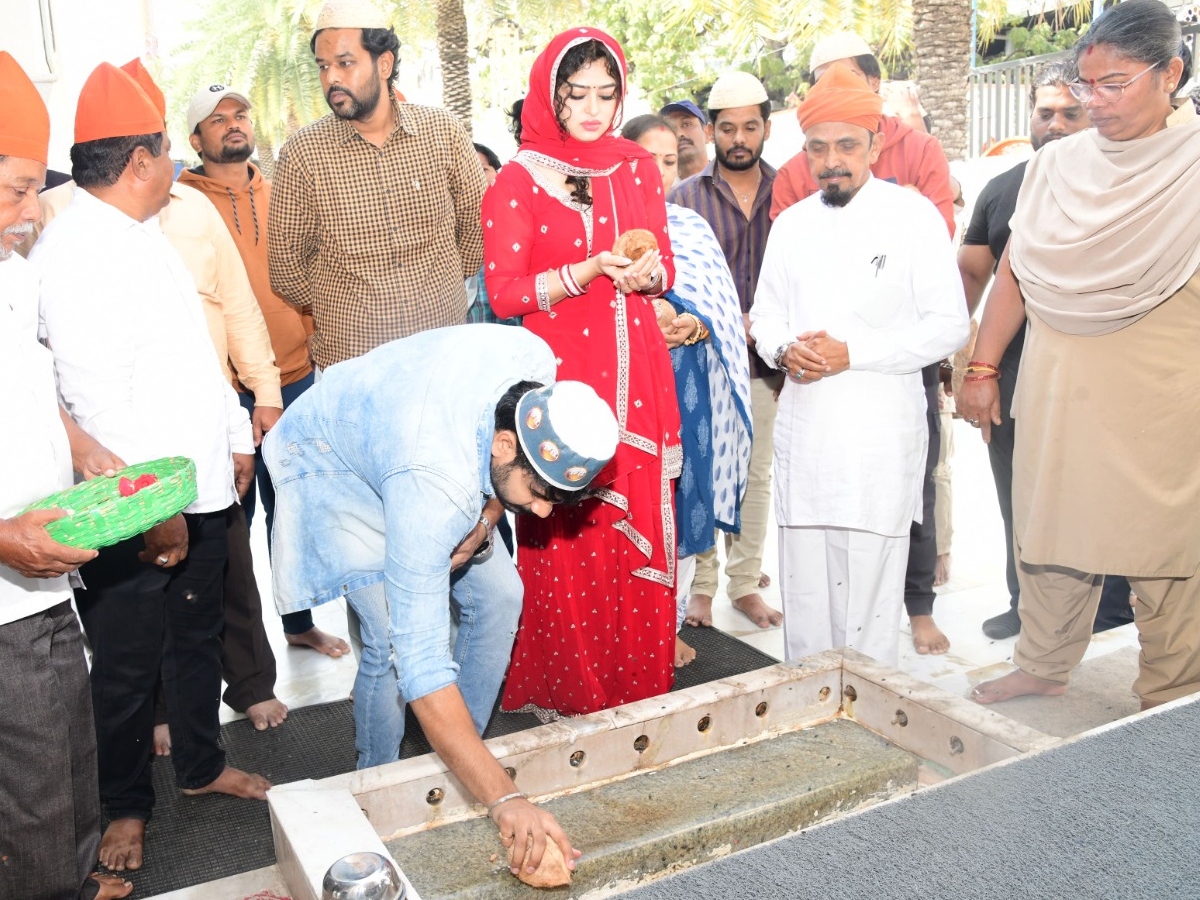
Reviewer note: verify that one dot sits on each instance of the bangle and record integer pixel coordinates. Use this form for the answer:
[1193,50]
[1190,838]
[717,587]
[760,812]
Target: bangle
[700,333]
[515,795]
[977,366]
[483,520]
[569,284]
[990,376]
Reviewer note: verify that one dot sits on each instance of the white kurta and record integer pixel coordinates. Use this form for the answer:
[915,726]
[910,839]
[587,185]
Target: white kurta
[35,458]
[880,275]
[132,354]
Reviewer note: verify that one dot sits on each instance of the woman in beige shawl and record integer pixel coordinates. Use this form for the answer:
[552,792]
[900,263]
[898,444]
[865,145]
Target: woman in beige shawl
[1103,262]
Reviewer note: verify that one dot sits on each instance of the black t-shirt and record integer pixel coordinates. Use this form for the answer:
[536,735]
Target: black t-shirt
[989,225]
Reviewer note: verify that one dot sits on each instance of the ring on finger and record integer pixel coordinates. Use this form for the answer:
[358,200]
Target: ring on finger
[162,560]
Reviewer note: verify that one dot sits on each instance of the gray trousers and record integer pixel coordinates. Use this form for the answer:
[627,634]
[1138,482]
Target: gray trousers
[49,799]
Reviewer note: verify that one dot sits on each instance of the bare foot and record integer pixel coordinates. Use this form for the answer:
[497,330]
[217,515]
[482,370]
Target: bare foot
[941,572]
[162,740]
[684,653]
[754,608]
[699,611]
[111,886]
[235,783]
[764,580]
[268,714]
[320,641]
[927,637]
[121,846]
[1016,684]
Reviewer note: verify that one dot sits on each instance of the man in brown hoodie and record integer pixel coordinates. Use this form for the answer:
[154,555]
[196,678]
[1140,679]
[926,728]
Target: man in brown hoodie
[223,136]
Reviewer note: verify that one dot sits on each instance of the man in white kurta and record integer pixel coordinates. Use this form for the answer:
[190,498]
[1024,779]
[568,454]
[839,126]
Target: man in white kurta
[136,370]
[49,808]
[858,292]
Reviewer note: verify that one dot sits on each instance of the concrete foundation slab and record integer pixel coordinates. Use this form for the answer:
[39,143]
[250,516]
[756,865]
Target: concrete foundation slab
[654,823]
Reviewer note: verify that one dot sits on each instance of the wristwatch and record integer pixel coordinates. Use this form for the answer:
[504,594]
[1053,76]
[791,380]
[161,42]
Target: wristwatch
[484,550]
[781,353]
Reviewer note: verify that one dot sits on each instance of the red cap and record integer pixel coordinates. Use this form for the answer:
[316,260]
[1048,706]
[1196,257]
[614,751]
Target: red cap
[135,70]
[24,121]
[112,104]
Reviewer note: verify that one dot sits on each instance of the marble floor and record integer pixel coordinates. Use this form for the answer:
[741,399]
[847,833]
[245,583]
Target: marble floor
[975,591]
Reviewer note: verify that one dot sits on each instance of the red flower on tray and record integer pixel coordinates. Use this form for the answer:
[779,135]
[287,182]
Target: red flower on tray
[128,488]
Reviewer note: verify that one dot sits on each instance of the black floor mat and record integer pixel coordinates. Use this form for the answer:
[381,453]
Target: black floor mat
[192,840]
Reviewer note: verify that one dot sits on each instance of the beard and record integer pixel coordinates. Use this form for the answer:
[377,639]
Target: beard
[230,154]
[360,106]
[835,195]
[23,230]
[739,165]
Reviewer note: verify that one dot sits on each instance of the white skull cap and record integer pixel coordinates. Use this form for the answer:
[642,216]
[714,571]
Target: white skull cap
[350,14]
[843,45]
[734,89]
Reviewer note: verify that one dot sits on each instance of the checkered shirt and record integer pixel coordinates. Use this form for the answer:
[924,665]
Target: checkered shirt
[377,240]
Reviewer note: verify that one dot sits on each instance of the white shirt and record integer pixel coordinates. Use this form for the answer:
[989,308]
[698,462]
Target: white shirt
[135,364]
[35,458]
[878,274]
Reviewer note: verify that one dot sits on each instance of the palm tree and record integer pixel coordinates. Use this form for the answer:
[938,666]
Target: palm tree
[941,36]
[453,42]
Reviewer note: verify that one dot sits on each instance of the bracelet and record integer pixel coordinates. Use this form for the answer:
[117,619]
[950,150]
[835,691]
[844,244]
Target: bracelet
[569,284]
[700,333]
[515,795]
[483,520]
[977,366]
[990,376]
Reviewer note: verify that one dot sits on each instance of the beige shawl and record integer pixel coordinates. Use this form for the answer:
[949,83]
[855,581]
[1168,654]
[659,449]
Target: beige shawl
[1104,231]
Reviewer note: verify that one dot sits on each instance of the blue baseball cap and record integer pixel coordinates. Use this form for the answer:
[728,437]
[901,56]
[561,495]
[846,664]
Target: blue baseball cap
[686,106]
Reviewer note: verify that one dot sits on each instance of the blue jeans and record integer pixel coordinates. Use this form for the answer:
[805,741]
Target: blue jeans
[297,622]
[485,601]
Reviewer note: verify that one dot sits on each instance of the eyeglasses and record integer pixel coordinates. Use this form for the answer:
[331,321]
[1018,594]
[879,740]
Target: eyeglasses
[1109,93]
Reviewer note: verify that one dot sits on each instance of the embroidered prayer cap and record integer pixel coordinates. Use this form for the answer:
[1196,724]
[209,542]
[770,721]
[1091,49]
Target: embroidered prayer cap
[843,45]
[567,432]
[350,14]
[24,120]
[734,89]
[205,101]
[135,70]
[685,106]
[112,104]
[840,95]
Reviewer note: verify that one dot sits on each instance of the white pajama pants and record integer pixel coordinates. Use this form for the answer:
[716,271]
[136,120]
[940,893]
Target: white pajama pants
[842,588]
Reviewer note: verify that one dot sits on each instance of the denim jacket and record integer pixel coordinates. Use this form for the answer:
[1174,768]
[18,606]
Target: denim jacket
[382,468]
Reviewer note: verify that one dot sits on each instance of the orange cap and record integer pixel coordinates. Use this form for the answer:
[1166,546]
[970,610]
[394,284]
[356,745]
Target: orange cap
[112,105]
[24,121]
[841,95]
[135,70]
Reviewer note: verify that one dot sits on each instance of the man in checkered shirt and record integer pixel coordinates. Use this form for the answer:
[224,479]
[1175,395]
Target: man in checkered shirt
[375,208]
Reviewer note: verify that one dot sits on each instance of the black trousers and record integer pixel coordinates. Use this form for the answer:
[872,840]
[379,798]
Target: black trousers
[248,661]
[49,808]
[922,536]
[140,621]
[1114,609]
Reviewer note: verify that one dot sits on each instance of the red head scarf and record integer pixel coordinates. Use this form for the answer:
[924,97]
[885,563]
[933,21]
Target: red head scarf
[540,130]
[841,95]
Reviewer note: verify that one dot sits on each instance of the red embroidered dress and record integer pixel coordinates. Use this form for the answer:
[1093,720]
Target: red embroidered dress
[598,626]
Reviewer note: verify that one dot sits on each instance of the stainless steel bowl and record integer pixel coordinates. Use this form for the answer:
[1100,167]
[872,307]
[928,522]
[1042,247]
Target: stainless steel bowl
[363,876]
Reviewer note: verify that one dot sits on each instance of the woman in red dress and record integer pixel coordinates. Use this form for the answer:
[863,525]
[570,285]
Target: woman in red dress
[598,627]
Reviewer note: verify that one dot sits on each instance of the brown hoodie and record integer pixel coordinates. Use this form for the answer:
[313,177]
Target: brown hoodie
[245,214]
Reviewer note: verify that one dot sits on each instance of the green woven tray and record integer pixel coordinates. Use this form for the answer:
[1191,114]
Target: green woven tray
[98,516]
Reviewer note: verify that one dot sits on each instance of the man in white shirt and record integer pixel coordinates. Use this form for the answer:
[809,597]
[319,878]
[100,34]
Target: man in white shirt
[49,807]
[858,291]
[136,370]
